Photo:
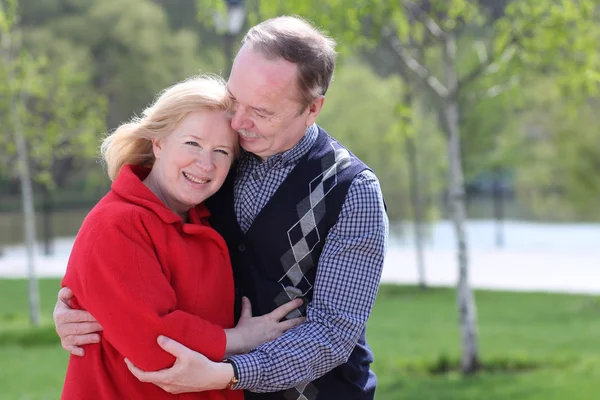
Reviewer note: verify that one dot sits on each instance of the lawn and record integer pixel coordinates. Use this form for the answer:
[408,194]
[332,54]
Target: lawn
[532,345]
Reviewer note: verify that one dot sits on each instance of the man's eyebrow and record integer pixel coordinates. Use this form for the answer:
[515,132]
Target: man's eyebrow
[259,109]
[263,110]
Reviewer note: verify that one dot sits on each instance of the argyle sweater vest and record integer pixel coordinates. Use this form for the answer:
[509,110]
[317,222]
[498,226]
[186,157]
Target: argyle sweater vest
[276,260]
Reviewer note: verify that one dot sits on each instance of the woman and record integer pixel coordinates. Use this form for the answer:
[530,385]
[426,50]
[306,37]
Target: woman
[145,261]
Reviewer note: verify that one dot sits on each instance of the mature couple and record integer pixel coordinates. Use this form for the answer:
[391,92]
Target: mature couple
[169,268]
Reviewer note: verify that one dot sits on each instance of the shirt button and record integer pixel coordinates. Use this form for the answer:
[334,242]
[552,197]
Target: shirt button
[241,247]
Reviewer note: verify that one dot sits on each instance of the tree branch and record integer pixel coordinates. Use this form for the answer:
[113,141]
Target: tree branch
[419,14]
[411,63]
[488,64]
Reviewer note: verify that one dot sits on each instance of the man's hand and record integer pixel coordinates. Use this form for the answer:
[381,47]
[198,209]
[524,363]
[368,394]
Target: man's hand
[75,327]
[251,332]
[192,372]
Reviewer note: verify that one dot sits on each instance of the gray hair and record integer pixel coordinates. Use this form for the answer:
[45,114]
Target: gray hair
[297,41]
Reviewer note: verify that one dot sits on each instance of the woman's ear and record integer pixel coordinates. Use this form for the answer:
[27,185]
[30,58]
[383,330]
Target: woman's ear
[156,148]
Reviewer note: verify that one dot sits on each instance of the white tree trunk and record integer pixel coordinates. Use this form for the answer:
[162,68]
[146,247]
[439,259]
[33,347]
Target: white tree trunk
[415,198]
[25,179]
[29,218]
[465,300]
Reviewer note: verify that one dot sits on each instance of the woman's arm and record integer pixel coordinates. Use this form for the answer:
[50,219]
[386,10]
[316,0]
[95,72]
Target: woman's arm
[116,276]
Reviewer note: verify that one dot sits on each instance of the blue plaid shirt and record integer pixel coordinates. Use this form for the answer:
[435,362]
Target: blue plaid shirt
[348,275]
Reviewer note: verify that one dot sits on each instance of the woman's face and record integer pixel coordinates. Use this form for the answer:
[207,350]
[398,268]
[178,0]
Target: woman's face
[193,161]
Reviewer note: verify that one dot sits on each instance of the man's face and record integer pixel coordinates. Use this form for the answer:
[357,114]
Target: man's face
[268,114]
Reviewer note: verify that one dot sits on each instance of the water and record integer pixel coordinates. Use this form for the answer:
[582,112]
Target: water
[65,224]
[536,257]
[518,236]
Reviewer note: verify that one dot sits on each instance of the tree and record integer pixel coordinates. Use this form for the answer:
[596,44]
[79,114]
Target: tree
[64,119]
[530,35]
[558,156]
[361,111]
[14,63]
[134,52]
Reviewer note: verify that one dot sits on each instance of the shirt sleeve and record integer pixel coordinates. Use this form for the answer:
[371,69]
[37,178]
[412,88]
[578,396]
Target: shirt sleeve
[117,277]
[348,276]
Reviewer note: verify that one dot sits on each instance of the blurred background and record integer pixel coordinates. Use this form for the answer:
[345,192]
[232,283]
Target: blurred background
[480,119]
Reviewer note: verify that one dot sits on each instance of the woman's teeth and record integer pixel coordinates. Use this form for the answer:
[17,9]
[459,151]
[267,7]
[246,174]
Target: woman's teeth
[194,179]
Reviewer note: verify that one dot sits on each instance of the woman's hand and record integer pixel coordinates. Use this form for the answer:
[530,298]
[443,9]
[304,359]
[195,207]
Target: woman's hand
[251,332]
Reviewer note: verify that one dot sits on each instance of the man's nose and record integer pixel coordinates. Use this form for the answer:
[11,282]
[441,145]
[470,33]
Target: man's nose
[240,120]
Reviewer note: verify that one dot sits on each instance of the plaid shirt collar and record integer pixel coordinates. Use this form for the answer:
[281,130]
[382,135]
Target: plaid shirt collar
[287,157]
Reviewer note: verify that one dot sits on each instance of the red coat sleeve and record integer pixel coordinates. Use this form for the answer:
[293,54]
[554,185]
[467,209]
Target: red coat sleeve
[116,276]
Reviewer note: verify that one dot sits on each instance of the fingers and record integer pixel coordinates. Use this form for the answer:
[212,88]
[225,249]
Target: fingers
[72,343]
[159,378]
[76,351]
[63,304]
[80,340]
[285,309]
[138,373]
[291,323]
[73,335]
[68,316]
[246,308]
[65,329]
[65,295]
[172,346]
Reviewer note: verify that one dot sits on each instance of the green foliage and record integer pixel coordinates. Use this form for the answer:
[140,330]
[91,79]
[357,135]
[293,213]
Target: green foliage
[60,112]
[557,37]
[8,15]
[134,51]
[90,65]
[497,57]
[559,157]
[360,111]
[79,81]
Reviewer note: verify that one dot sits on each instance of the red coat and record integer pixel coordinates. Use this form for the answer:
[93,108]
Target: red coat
[141,273]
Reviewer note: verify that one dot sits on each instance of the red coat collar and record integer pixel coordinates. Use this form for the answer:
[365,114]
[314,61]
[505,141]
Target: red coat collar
[129,185]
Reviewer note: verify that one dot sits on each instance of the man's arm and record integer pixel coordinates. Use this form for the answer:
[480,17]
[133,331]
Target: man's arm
[346,284]
[116,277]
[109,274]
[75,328]
[345,289]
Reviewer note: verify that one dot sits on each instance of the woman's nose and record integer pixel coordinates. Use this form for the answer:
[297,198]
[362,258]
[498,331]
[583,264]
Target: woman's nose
[205,163]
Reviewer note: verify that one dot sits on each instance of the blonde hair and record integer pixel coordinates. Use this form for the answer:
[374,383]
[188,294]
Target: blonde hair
[131,143]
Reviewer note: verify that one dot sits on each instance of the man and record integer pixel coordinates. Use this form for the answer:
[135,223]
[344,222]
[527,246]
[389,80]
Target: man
[302,217]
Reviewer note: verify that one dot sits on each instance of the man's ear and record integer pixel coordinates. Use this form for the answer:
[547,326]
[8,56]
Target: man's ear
[314,109]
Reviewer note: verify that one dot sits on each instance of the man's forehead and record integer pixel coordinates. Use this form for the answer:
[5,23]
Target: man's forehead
[263,94]
[252,69]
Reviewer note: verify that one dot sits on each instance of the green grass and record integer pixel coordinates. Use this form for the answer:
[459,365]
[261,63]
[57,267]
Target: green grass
[533,346]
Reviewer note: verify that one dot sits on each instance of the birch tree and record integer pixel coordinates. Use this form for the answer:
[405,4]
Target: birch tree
[530,35]
[12,62]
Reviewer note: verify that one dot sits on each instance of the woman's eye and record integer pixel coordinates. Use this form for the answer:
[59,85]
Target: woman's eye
[222,152]
[192,144]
